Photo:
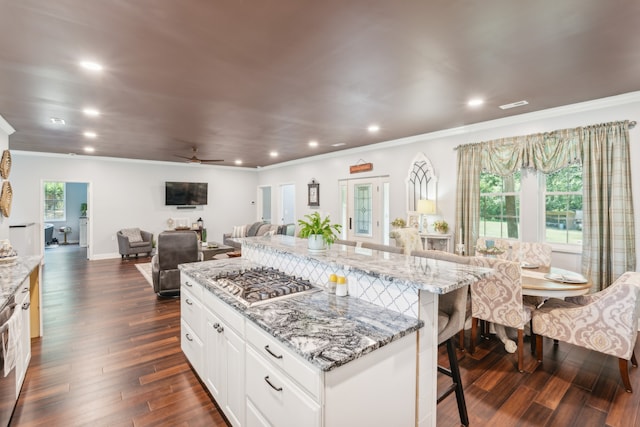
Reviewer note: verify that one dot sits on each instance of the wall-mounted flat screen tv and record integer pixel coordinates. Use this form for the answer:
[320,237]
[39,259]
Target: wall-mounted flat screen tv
[185,193]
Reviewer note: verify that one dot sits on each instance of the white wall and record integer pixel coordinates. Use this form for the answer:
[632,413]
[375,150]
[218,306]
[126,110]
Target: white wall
[128,193]
[5,131]
[394,158]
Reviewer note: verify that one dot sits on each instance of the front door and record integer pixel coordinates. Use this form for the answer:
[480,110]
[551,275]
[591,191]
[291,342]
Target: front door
[365,210]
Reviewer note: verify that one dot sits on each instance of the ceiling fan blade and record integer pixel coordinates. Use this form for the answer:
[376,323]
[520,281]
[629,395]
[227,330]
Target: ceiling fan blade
[183,157]
[211,160]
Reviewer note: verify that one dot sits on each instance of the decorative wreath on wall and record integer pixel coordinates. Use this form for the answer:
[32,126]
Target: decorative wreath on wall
[5,164]
[5,199]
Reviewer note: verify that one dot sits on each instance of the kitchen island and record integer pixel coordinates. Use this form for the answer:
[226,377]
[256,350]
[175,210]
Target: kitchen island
[352,360]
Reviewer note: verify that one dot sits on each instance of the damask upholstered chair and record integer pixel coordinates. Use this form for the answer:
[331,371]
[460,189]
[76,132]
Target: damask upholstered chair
[498,299]
[535,253]
[408,239]
[606,321]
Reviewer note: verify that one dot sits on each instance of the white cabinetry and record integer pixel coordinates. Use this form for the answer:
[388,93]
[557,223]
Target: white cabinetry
[224,358]
[22,310]
[191,323]
[83,231]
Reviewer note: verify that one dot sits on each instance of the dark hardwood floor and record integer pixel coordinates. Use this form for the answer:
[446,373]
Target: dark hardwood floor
[110,356]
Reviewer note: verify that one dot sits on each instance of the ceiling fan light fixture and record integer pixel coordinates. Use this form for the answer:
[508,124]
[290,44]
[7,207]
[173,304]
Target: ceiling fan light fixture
[91,65]
[57,121]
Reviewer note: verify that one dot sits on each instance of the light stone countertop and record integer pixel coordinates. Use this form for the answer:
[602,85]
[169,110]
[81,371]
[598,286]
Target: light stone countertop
[324,329]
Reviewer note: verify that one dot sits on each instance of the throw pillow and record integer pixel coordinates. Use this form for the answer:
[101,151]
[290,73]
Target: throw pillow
[253,229]
[239,231]
[133,234]
[270,233]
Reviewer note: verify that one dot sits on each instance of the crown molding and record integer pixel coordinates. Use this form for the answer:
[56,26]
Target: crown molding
[6,127]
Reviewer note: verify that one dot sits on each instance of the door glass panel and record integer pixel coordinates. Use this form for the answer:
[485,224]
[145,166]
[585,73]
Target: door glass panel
[363,215]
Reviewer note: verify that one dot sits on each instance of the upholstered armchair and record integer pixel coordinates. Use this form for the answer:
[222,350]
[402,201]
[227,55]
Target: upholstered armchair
[174,247]
[408,239]
[498,299]
[133,241]
[606,321]
[534,253]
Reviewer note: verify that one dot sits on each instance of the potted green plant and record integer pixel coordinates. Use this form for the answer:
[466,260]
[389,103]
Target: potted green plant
[398,223]
[319,231]
[441,226]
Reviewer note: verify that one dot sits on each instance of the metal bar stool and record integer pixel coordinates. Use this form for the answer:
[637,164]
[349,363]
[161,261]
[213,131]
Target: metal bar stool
[452,308]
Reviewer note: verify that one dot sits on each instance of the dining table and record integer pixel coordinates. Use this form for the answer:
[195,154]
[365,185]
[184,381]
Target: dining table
[543,283]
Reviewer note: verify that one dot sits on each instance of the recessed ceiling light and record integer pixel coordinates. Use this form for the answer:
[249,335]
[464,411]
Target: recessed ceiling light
[89,149]
[514,104]
[90,134]
[313,143]
[338,144]
[238,162]
[273,154]
[475,102]
[57,121]
[91,112]
[91,65]
[373,128]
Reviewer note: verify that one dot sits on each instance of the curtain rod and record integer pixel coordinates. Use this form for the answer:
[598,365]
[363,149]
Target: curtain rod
[632,124]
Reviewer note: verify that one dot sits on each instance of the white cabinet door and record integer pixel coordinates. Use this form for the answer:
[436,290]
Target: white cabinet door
[224,370]
[214,352]
[22,310]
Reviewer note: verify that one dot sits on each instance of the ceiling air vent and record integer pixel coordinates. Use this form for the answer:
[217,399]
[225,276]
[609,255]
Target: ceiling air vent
[513,105]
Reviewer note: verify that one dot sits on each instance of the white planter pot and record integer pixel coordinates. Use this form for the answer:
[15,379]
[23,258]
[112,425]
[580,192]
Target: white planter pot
[316,243]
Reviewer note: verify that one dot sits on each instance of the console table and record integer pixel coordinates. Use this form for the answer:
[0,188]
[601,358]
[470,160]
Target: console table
[437,241]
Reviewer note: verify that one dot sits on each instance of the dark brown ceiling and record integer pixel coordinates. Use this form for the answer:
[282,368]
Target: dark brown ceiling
[240,78]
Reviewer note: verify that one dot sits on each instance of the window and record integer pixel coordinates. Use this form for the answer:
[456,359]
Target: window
[500,205]
[54,201]
[563,206]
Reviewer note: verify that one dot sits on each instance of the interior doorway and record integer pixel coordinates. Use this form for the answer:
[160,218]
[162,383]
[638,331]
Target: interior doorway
[287,203]
[365,209]
[65,208]
[265,203]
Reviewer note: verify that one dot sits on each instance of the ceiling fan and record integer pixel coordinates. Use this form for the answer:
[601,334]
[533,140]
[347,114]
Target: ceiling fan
[194,158]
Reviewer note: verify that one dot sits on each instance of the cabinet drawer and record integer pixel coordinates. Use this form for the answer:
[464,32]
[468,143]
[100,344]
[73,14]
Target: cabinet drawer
[191,311]
[277,354]
[277,399]
[189,283]
[192,347]
[230,316]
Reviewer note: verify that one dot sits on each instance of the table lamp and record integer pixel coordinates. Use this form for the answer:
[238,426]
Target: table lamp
[425,207]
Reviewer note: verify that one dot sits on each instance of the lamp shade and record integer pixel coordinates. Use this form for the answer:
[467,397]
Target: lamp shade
[426,206]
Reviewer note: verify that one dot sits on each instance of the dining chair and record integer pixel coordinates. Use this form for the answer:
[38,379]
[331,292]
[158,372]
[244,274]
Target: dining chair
[408,239]
[498,299]
[534,253]
[605,321]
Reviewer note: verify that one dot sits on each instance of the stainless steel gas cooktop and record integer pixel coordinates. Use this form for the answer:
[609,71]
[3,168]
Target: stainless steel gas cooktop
[262,284]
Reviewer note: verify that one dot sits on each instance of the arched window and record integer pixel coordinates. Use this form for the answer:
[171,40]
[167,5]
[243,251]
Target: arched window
[421,182]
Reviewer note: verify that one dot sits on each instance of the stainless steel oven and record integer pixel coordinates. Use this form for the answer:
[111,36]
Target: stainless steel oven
[8,381]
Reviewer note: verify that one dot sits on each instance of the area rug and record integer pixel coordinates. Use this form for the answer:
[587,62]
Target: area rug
[145,270]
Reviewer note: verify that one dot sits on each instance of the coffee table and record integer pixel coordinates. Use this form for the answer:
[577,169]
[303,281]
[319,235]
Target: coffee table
[208,252]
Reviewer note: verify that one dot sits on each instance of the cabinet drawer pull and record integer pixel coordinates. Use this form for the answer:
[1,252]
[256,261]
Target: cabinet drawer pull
[26,305]
[272,386]
[277,356]
[188,336]
[188,301]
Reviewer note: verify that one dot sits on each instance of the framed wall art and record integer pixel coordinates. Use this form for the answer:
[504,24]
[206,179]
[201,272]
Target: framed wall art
[314,194]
